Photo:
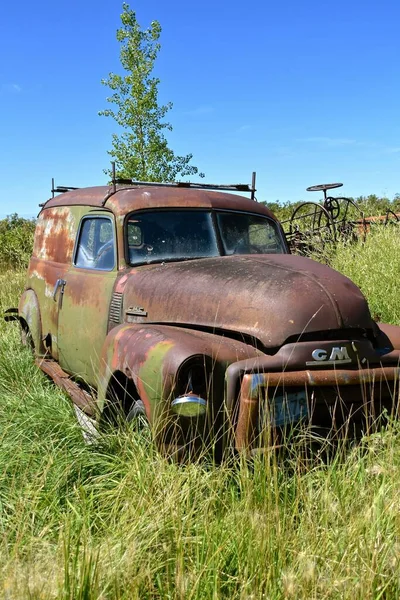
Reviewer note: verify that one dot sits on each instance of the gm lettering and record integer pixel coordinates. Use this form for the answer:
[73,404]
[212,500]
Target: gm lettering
[337,354]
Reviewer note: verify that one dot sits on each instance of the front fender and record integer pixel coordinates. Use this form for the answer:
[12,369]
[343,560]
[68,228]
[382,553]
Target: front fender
[151,356]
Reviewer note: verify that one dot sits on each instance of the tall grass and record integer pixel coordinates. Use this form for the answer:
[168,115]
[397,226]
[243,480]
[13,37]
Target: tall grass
[374,265]
[114,520]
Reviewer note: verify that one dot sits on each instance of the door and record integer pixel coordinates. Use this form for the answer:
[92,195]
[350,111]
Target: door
[85,295]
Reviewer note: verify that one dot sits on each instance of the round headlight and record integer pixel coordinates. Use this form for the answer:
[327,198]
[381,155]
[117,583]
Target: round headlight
[189,405]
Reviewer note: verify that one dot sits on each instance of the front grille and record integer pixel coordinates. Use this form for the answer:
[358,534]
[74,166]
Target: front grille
[329,407]
[115,314]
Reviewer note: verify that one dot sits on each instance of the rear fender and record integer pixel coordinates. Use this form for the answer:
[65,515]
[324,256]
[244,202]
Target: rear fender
[153,355]
[29,315]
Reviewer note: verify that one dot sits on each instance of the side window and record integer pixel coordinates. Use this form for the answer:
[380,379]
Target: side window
[95,248]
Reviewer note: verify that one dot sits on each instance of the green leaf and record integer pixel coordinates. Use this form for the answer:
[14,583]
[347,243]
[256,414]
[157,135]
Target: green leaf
[141,151]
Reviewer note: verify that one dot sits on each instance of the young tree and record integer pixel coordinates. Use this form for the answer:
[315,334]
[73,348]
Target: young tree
[141,152]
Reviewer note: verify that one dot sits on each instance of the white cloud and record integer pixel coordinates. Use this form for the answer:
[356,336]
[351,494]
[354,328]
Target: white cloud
[10,88]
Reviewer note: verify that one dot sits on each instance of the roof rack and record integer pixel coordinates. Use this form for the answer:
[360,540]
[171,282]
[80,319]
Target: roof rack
[234,187]
[60,189]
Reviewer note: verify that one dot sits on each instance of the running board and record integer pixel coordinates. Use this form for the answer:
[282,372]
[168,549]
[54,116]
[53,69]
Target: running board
[78,396]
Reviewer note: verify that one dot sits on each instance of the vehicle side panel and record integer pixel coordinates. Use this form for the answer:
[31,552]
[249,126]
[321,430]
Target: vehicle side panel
[52,254]
[83,320]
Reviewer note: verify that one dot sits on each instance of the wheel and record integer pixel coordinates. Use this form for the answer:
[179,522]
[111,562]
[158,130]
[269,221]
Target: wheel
[323,187]
[332,205]
[26,337]
[137,415]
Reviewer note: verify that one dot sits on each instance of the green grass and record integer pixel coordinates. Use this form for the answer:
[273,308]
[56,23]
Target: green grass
[375,267]
[114,520]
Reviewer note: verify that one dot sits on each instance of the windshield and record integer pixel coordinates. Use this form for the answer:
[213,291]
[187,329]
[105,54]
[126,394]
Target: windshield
[168,235]
[249,234]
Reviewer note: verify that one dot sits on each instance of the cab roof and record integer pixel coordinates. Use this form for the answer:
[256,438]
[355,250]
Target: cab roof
[122,199]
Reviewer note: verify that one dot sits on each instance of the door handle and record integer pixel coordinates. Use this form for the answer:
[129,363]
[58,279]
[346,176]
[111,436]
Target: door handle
[60,283]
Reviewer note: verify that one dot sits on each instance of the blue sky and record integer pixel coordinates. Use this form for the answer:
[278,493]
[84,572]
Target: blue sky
[302,92]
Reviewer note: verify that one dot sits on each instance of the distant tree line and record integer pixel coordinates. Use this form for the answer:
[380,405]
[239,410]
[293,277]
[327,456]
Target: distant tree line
[371,205]
[16,233]
[16,241]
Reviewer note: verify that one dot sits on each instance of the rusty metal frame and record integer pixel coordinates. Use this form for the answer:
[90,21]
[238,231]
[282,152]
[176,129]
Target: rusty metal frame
[389,220]
[316,215]
[295,237]
[60,189]
[234,187]
[79,396]
[334,209]
[251,385]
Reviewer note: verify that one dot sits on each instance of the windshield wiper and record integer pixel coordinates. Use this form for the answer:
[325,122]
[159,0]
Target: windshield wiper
[169,259]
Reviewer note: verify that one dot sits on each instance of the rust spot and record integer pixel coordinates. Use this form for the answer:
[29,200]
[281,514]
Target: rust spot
[249,295]
[55,235]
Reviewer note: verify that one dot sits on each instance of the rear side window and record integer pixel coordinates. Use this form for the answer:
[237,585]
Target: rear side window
[96,246]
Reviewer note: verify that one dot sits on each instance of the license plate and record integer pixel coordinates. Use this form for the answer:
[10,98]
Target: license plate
[285,409]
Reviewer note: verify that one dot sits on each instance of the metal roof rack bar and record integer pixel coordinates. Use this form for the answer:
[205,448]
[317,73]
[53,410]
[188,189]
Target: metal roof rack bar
[241,187]
[253,185]
[60,189]
[235,187]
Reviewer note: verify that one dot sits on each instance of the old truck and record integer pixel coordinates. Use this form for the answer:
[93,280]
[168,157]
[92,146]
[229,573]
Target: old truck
[181,305]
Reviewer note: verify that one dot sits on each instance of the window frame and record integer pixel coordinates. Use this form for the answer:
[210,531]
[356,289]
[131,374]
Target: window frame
[213,212]
[78,237]
[167,209]
[277,223]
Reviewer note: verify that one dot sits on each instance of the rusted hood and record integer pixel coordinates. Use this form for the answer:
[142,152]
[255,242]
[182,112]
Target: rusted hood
[270,297]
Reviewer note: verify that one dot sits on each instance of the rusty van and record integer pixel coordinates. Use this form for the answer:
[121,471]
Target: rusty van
[181,305]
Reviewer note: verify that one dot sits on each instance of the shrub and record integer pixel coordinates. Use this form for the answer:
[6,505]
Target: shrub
[16,241]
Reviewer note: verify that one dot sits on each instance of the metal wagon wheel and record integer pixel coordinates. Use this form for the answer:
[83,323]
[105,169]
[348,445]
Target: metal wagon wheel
[310,226]
[391,217]
[348,217]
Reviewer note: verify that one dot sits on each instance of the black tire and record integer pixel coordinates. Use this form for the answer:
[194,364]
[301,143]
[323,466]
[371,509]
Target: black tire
[26,337]
[137,415]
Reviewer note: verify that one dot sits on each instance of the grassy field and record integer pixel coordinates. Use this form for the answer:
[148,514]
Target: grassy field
[114,520]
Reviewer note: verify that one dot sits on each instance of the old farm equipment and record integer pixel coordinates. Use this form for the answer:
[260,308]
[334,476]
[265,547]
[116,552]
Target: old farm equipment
[314,224]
